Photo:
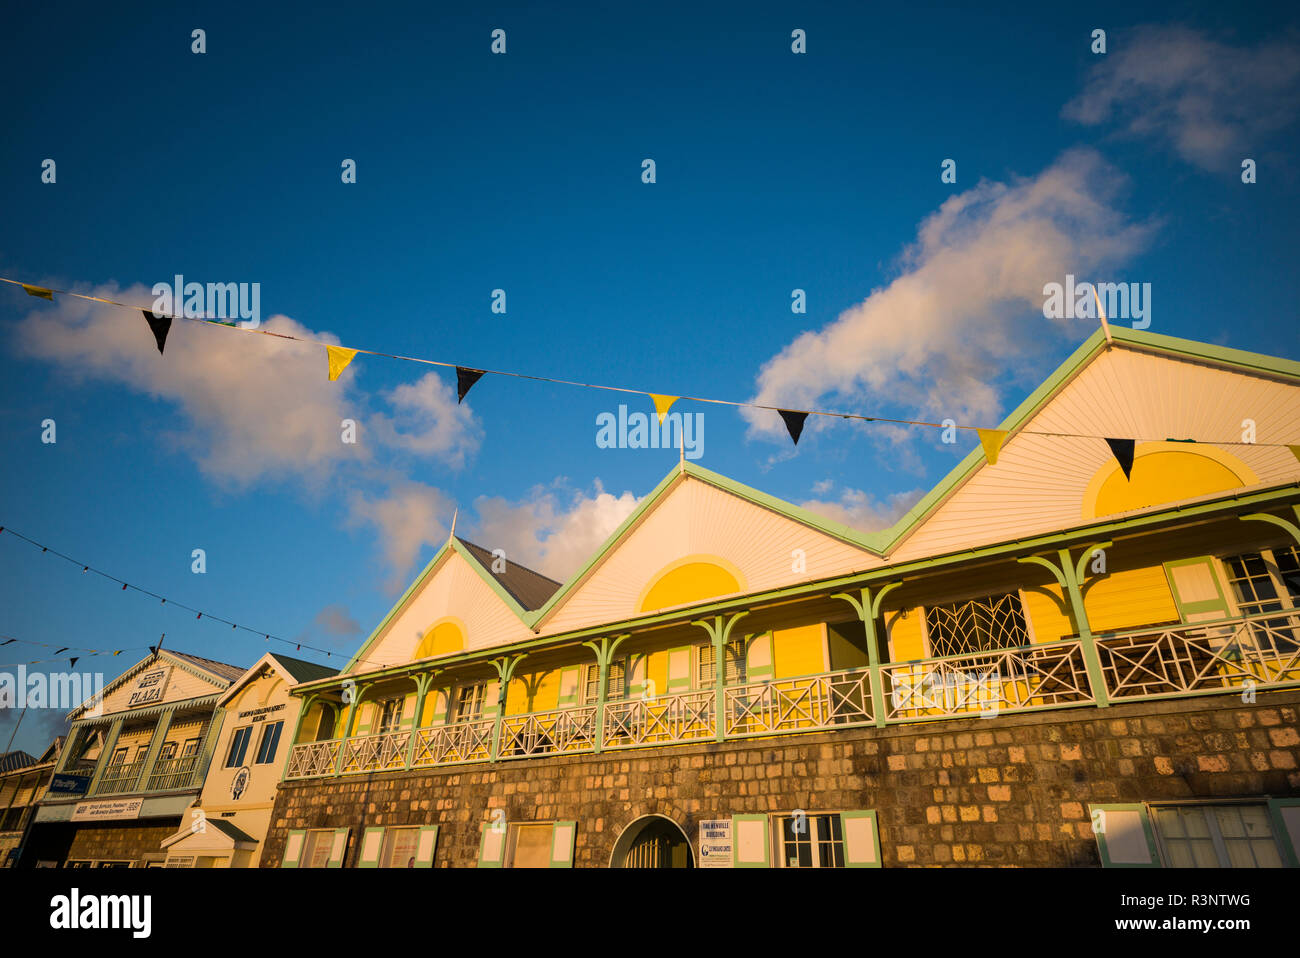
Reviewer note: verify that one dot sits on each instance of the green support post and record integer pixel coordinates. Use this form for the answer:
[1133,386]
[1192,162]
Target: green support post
[719,630]
[505,667]
[208,745]
[105,756]
[1070,573]
[1292,528]
[347,726]
[422,683]
[604,650]
[868,608]
[297,730]
[155,746]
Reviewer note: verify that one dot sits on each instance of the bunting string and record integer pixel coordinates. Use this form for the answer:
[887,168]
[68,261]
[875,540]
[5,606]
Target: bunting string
[466,376]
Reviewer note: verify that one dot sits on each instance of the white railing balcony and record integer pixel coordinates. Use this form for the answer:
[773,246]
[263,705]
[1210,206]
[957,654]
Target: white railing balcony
[790,705]
[120,778]
[1250,651]
[681,717]
[174,773]
[469,741]
[376,753]
[546,733]
[313,759]
[987,683]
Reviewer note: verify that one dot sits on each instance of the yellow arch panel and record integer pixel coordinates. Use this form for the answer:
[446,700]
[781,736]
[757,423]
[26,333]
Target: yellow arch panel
[690,580]
[1164,473]
[445,635]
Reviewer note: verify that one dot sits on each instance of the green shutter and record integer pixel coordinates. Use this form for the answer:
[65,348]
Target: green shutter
[861,839]
[749,841]
[372,846]
[562,841]
[492,846]
[1197,591]
[339,849]
[293,846]
[427,845]
[1124,835]
[1285,813]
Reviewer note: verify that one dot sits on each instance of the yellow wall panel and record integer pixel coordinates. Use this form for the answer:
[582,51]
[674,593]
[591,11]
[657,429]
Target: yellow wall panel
[906,640]
[799,651]
[1127,600]
[1049,620]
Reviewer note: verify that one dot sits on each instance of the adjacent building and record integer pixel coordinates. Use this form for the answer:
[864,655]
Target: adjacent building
[133,764]
[1051,659]
[24,780]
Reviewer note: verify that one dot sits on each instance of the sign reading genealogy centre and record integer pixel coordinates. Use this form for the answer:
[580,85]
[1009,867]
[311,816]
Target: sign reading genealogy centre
[715,844]
[149,688]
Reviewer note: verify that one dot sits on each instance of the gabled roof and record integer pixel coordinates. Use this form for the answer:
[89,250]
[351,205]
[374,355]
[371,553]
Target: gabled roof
[12,761]
[227,835]
[219,669]
[220,674]
[301,671]
[530,589]
[294,671]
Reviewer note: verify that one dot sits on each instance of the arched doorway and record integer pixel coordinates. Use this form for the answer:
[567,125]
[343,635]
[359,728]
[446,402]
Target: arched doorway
[652,842]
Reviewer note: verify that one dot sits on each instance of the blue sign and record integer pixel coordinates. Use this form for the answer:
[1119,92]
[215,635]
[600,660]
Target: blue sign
[70,783]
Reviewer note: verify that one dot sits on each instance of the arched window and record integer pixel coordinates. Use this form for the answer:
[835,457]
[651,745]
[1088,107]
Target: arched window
[1164,473]
[691,580]
[444,636]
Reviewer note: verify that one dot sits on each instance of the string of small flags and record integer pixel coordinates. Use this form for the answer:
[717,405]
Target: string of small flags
[199,614]
[339,357]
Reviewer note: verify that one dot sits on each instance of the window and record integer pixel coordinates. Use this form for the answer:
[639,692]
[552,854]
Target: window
[399,848]
[469,702]
[977,625]
[320,842]
[1265,581]
[1216,836]
[119,757]
[810,841]
[734,657]
[191,748]
[390,715]
[270,743]
[238,746]
[617,682]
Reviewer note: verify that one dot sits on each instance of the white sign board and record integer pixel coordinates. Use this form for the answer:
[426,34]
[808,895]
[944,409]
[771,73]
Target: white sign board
[104,811]
[716,844]
[149,687]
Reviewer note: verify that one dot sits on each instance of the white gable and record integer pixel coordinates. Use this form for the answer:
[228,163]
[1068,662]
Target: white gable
[1039,483]
[697,518]
[159,682]
[454,590]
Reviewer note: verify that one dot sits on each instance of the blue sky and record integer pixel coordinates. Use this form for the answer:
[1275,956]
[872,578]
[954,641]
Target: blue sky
[775,171]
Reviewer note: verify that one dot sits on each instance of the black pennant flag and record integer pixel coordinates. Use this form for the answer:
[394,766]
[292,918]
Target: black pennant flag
[793,423]
[62,650]
[72,662]
[161,326]
[465,380]
[153,650]
[8,642]
[1123,452]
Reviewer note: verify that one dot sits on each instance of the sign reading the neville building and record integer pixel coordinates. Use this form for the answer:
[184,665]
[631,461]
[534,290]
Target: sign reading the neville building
[149,688]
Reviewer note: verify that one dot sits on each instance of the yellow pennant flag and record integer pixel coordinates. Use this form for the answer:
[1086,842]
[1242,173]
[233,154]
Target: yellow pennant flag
[1295,451]
[991,440]
[40,291]
[339,358]
[663,404]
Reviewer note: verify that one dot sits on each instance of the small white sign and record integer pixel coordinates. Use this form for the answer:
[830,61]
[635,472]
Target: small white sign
[102,811]
[716,847]
[149,688]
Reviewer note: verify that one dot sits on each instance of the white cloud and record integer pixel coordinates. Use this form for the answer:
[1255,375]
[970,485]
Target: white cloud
[409,516]
[860,510]
[967,309]
[555,529]
[1211,102]
[437,426]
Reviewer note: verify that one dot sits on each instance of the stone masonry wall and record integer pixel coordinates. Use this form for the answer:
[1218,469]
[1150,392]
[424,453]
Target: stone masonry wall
[1011,790]
[120,842]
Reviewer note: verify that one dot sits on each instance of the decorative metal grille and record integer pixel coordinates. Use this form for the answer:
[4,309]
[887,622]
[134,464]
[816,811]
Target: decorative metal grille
[978,625]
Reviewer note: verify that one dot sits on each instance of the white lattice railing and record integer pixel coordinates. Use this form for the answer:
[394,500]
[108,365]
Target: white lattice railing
[376,753]
[788,705]
[1255,650]
[313,759]
[987,683]
[543,733]
[119,778]
[461,742]
[174,772]
[681,717]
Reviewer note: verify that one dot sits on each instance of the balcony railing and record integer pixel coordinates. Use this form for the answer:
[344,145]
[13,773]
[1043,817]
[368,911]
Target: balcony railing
[120,778]
[1257,651]
[987,683]
[793,705]
[174,773]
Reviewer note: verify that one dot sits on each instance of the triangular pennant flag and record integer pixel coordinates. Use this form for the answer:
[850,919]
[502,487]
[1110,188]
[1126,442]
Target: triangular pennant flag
[339,359]
[1122,449]
[161,326]
[118,652]
[153,649]
[991,440]
[40,291]
[663,404]
[1295,451]
[62,650]
[72,662]
[8,642]
[793,423]
[465,380]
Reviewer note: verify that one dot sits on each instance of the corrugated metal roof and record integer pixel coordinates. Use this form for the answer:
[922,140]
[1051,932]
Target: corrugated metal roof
[16,759]
[530,589]
[304,671]
[221,669]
